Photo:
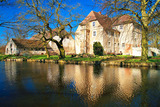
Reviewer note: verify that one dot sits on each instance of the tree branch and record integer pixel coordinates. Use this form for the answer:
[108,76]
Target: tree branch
[153,8]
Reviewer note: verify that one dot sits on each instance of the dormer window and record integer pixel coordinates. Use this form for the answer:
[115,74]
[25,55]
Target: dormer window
[93,24]
[121,26]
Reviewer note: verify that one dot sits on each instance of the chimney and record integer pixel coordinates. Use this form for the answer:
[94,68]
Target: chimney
[99,12]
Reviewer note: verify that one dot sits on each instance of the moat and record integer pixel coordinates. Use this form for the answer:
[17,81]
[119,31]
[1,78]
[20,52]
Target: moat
[48,84]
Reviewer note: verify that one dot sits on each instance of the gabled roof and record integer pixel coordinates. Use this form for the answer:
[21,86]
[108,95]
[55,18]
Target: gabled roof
[122,20]
[25,43]
[39,36]
[105,21]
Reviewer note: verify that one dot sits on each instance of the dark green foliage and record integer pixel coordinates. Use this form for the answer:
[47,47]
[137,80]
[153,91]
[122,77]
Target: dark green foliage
[98,48]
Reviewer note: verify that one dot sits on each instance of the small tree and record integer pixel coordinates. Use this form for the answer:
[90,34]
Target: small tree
[98,48]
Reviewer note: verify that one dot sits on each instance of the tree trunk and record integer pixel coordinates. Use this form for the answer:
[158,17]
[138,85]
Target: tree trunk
[61,50]
[47,52]
[145,22]
[144,56]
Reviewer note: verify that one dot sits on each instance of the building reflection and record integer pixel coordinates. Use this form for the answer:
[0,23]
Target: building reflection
[129,82]
[94,84]
[11,71]
[91,85]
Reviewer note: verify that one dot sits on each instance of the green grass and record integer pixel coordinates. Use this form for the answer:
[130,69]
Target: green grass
[139,60]
[128,58]
[43,57]
[1,56]
[68,58]
[82,59]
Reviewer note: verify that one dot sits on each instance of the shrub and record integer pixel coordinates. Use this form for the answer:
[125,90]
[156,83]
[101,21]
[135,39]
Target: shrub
[98,48]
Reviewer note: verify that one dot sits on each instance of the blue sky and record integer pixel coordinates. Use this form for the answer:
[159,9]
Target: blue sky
[8,13]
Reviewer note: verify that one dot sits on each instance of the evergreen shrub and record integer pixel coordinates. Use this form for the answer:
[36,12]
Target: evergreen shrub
[98,48]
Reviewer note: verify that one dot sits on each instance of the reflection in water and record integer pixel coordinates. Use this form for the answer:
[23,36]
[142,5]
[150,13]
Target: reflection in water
[85,85]
[11,71]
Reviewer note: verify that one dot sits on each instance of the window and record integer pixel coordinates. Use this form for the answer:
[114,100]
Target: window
[109,34]
[114,44]
[11,45]
[135,39]
[121,26]
[123,45]
[7,50]
[94,33]
[93,24]
[109,43]
[115,35]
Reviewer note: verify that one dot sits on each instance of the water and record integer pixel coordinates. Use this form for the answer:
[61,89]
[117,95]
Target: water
[47,84]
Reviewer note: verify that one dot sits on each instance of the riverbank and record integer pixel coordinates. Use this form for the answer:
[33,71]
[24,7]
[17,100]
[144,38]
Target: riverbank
[119,60]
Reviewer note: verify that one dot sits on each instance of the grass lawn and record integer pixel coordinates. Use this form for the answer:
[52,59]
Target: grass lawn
[83,59]
[126,58]
[55,57]
[151,59]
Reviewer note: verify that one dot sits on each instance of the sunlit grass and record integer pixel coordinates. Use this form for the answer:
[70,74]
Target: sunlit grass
[139,60]
[126,58]
[83,59]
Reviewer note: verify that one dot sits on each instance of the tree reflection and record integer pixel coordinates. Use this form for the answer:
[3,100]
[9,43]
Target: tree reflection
[144,87]
[97,69]
[91,85]
[60,77]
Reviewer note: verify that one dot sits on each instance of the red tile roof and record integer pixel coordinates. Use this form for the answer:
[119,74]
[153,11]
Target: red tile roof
[105,21]
[122,20]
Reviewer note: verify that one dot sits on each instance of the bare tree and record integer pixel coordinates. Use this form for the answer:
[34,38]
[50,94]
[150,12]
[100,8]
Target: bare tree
[44,15]
[143,11]
[7,35]
[8,20]
[11,27]
[154,34]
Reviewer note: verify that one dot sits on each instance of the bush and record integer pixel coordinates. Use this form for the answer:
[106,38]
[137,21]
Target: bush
[98,48]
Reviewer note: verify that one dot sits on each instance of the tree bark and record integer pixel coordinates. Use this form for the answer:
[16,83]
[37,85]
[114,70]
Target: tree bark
[47,52]
[145,22]
[144,56]
[61,50]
